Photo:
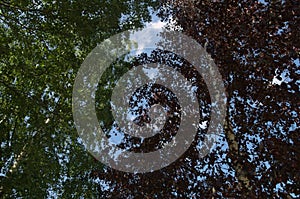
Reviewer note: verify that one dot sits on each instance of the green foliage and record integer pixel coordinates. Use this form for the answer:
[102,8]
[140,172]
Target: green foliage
[42,45]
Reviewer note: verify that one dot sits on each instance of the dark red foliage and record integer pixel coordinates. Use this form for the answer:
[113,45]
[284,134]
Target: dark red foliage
[251,43]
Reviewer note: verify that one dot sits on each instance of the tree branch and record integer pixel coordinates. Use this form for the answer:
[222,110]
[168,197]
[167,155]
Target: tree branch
[241,173]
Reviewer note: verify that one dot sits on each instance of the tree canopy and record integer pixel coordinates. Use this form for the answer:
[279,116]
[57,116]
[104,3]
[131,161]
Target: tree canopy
[43,44]
[256,47]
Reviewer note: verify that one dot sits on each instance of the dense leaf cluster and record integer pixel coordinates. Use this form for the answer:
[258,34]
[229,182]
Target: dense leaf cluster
[255,45]
[42,45]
